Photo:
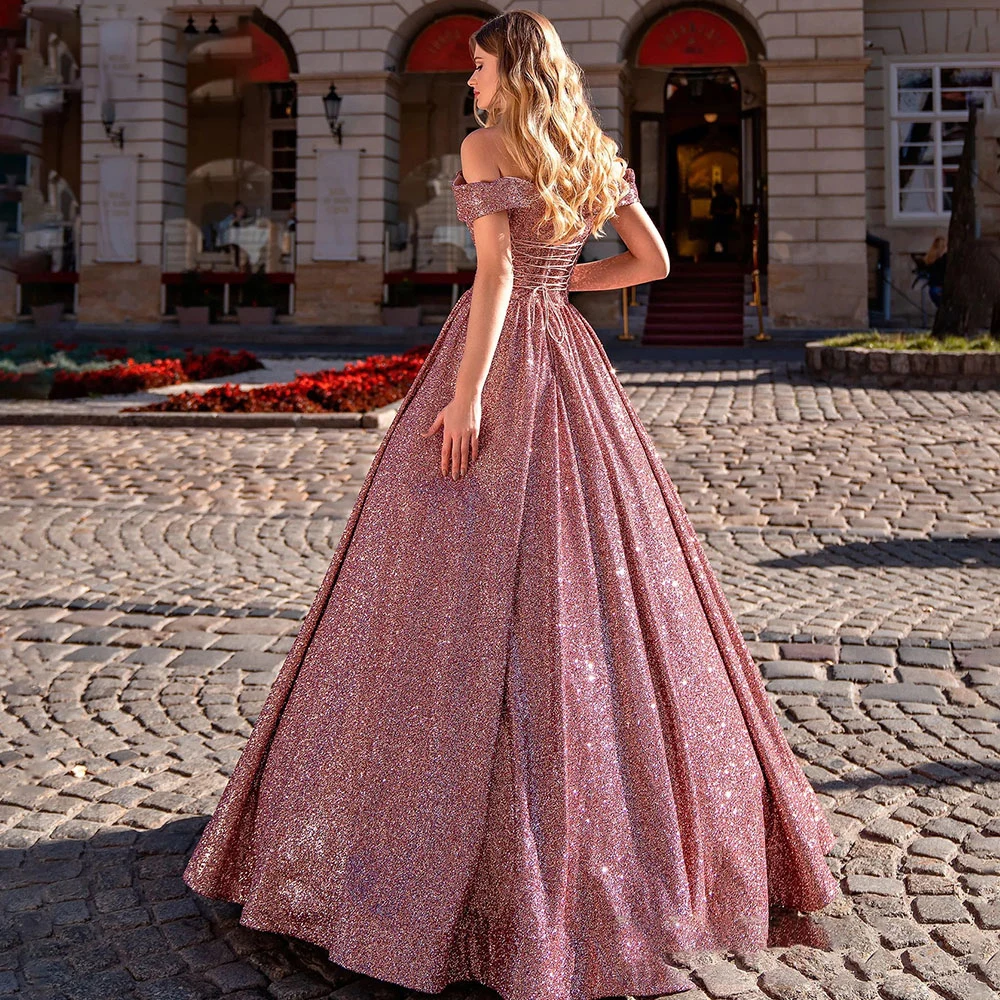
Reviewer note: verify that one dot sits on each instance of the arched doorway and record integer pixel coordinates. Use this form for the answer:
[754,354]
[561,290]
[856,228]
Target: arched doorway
[697,125]
[237,231]
[429,254]
[698,122]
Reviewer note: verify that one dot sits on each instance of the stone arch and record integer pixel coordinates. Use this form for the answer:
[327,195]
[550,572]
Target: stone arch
[742,16]
[410,27]
[278,33]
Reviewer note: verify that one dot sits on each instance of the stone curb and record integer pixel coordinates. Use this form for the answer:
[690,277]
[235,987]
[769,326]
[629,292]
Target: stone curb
[379,418]
[889,369]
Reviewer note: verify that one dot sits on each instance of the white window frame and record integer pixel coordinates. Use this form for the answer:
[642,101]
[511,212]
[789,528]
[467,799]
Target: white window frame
[893,116]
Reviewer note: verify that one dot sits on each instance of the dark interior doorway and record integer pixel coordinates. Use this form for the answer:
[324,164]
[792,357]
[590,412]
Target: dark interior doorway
[702,136]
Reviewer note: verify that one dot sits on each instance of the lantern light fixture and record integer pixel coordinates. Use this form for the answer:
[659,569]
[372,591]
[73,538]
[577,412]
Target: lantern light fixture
[213,27]
[331,107]
[190,29]
[116,135]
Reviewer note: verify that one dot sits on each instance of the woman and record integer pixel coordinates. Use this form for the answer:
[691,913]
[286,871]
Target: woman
[519,738]
[935,262]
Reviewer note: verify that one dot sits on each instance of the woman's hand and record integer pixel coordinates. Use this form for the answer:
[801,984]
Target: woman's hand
[460,419]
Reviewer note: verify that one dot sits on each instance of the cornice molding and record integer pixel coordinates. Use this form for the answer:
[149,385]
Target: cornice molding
[813,70]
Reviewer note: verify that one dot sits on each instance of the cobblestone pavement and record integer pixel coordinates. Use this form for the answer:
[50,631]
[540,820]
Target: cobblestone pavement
[152,580]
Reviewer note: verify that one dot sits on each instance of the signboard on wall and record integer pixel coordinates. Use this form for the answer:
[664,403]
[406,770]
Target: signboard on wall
[337,194]
[118,68]
[117,208]
[692,38]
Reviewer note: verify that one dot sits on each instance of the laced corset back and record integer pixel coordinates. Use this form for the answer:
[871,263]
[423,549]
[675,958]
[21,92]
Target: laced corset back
[536,264]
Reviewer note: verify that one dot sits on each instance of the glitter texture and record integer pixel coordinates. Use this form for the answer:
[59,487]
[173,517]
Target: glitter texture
[519,737]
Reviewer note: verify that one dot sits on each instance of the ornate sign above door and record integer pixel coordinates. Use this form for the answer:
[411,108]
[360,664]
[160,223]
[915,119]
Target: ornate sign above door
[443,46]
[692,38]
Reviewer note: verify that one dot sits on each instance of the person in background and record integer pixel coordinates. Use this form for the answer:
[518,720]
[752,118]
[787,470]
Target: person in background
[287,239]
[935,263]
[235,218]
[723,212]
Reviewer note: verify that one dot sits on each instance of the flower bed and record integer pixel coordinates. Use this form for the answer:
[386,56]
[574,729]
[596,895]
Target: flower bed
[921,341]
[66,371]
[362,385]
[884,361]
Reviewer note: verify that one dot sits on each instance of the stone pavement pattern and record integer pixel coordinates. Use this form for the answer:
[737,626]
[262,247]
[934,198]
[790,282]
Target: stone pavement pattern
[151,582]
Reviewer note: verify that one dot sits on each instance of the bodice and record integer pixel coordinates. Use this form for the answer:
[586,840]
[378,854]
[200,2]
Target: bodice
[536,264]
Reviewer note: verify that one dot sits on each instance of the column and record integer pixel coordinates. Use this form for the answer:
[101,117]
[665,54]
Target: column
[817,270]
[345,292]
[155,127]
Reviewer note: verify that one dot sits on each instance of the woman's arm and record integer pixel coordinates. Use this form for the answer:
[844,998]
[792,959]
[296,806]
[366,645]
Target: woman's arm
[491,292]
[494,280]
[646,258]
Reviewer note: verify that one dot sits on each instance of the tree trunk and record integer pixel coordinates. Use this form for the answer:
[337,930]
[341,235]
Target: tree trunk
[959,296]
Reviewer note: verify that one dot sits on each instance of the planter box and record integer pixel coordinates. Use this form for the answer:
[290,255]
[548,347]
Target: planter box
[48,315]
[194,315]
[402,315]
[255,315]
[910,369]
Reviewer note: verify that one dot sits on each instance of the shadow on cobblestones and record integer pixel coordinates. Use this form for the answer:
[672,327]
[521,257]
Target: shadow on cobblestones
[954,771]
[928,553]
[109,917]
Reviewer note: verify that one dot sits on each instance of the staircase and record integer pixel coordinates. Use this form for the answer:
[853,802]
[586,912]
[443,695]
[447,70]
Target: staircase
[697,304]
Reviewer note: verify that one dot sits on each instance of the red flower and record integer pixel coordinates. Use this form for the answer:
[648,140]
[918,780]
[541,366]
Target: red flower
[133,376]
[362,385]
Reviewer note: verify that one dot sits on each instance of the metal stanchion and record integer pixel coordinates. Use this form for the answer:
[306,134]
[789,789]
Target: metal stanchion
[760,335]
[625,334]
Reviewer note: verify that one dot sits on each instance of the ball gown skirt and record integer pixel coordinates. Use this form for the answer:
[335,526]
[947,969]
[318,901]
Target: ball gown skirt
[519,738]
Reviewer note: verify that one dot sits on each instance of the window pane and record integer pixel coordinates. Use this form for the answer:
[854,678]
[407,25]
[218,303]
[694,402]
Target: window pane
[916,143]
[915,89]
[961,88]
[915,167]
[918,199]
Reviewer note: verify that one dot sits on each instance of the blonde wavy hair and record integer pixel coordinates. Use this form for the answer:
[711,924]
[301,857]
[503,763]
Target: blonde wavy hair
[547,125]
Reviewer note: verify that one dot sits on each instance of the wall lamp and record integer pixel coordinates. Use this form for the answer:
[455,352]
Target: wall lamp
[331,107]
[116,135]
[212,29]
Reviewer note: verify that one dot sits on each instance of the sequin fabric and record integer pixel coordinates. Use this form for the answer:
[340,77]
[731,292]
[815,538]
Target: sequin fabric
[519,738]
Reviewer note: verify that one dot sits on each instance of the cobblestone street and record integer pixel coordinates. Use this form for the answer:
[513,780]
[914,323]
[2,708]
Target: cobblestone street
[151,581]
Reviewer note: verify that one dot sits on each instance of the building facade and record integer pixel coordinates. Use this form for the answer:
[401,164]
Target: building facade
[129,133]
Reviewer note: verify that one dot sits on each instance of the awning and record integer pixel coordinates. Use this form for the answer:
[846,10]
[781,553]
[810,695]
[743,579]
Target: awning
[10,14]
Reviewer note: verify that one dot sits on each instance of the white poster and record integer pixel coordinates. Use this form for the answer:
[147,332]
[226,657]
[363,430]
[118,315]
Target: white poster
[337,192]
[118,69]
[117,208]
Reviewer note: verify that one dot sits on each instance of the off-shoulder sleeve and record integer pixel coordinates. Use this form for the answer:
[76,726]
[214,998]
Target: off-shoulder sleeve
[476,198]
[631,191]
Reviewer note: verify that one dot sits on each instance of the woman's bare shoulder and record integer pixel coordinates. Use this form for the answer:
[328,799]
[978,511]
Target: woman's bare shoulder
[482,155]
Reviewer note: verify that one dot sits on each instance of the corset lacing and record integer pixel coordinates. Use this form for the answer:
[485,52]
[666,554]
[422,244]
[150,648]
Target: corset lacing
[540,264]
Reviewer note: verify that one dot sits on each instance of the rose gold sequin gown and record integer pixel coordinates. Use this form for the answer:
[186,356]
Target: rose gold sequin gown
[519,738]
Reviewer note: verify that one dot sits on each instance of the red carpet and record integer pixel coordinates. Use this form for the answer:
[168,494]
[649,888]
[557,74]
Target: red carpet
[695,305]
